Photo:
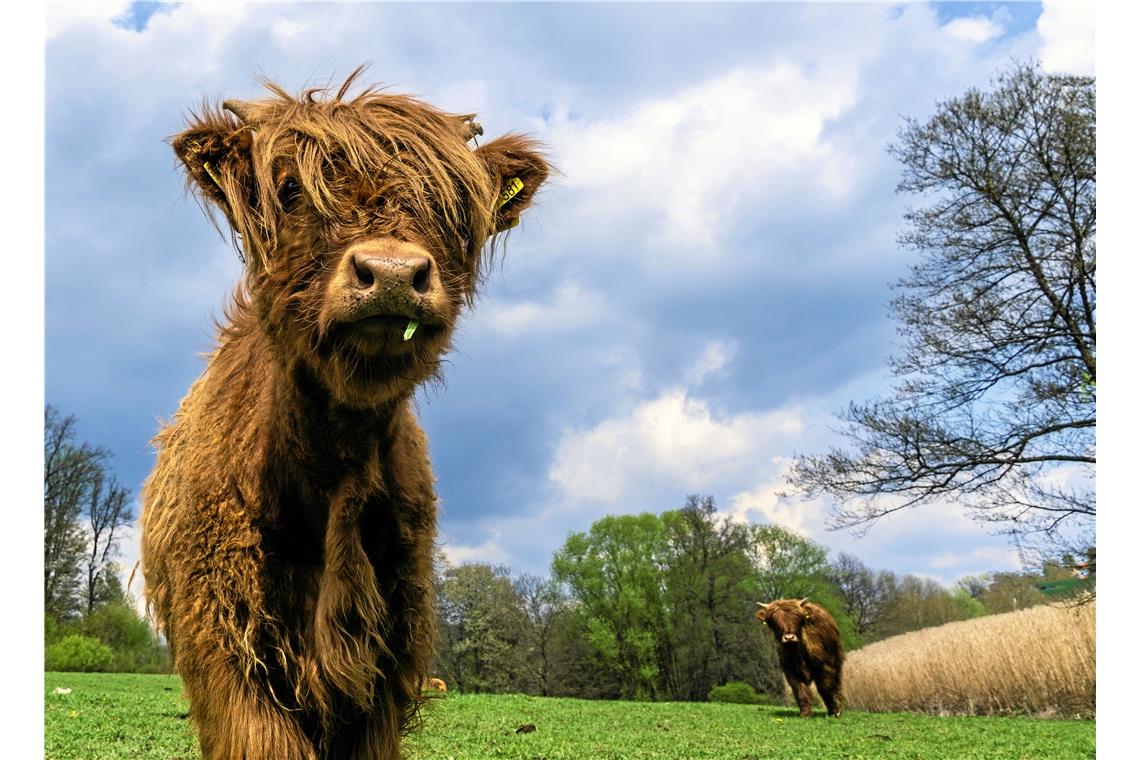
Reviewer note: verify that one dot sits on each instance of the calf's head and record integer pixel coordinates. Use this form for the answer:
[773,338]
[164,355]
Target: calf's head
[365,224]
[785,618]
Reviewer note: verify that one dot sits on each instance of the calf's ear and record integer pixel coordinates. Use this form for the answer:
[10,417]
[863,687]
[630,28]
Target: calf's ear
[518,168]
[216,151]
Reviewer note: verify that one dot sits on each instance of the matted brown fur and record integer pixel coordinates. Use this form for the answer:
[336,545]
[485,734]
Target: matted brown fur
[810,650]
[288,525]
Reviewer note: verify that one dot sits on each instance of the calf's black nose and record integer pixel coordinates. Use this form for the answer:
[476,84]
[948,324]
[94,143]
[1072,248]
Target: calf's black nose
[376,272]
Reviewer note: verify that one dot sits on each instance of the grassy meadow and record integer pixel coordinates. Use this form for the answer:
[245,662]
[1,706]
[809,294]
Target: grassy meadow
[143,717]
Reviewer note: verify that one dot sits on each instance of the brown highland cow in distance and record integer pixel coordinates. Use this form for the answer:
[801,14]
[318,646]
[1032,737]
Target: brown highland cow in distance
[810,650]
[288,526]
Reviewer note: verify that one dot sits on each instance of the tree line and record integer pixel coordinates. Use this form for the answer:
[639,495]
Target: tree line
[661,607]
[646,606]
[90,622]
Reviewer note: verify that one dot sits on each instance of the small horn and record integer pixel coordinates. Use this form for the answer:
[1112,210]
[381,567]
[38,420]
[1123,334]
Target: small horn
[238,108]
[474,129]
[761,605]
[803,601]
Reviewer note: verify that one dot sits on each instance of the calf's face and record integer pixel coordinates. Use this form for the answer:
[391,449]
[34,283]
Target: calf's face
[785,618]
[363,222]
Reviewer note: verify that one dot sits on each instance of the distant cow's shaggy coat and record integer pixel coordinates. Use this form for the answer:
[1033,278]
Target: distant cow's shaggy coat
[288,526]
[810,650]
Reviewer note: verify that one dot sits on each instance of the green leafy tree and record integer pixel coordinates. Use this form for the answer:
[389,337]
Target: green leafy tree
[1008,592]
[482,625]
[577,668]
[790,566]
[615,574]
[970,607]
[711,585]
[915,603]
[975,585]
[995,404]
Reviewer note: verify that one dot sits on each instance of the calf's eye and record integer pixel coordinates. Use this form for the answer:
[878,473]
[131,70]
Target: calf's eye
[289,193]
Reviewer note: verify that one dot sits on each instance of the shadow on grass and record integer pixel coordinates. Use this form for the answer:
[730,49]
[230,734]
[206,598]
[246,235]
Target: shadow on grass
[789,712]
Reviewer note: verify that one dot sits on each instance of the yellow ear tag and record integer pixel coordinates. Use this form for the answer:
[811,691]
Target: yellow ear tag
[512,224]
[513,188]
[213,175]
[217,181]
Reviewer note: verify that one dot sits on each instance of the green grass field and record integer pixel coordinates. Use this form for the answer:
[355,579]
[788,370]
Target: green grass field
[143,717]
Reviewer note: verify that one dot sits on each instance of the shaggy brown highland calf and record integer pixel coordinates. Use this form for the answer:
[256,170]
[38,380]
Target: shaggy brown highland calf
[810,650]
[288,525]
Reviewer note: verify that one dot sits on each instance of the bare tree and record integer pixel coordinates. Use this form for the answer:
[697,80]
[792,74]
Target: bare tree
[108,511]
[77,486]
[68,472]
[864,593]
[995,404]
[543,600]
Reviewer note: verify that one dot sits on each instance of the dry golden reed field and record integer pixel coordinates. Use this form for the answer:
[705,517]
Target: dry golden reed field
[1040,661]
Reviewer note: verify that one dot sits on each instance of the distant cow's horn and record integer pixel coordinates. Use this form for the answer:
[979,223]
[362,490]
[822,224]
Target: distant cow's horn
[761,605]
[238,108]
[803,601]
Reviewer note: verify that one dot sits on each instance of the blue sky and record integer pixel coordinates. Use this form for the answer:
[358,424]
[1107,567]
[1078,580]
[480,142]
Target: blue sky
[702,288]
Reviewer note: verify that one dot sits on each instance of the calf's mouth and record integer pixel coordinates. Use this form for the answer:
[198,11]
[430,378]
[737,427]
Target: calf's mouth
[387,296]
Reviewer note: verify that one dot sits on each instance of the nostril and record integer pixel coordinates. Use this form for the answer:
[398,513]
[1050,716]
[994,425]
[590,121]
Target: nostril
[421,280]
[364,272]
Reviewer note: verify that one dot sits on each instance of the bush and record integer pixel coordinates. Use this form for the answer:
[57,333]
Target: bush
[51,630]
[132,644]
[117,626]
[737,693]
[78,654]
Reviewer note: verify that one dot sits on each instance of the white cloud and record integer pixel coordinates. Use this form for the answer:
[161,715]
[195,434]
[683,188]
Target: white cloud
[488,551]
[63,16]
[771,501]
[713,359]
[691,157]
[672,438]
[286,30]
[1066,477]
[1066,28]
[974,29]
[128,561]
[572,306]
[993,557]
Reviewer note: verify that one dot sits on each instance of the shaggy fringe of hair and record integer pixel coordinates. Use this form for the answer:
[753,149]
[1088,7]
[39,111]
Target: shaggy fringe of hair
[330,141]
